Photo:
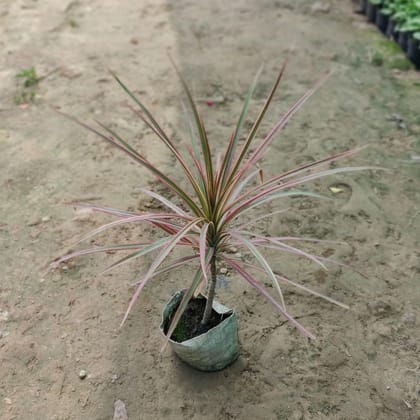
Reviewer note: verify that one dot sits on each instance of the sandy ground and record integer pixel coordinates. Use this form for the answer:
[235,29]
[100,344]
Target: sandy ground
[365,362]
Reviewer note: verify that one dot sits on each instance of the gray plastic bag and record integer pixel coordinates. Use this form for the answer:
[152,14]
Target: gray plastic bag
[213,350]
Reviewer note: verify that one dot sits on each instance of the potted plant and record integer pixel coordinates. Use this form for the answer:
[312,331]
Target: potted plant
[371,9]
[413,49]
[363,5]
[205,218]
[400,21]
[410,26]
[393,9]
[409,22]
[382,16]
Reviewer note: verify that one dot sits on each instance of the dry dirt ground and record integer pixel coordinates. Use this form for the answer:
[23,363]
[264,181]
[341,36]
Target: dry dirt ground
[365,362]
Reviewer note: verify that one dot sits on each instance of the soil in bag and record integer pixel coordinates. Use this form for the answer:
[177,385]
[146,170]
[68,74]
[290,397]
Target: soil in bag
[189,326]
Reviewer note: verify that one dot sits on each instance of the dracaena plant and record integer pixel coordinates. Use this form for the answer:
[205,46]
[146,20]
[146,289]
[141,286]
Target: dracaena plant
[214,198]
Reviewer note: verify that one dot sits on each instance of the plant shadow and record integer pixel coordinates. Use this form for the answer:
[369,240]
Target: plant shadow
[191,379]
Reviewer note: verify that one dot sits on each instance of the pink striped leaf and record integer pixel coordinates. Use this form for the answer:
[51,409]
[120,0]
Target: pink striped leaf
[267,241]
[178,262]
[164,201]
[110,248]
[264,197]
[257,219]
[158,261]
[151,217]
[145,250]
[263,262]
[304,168]
[260,288]
[297,285]
[205,146]
[230,152]
[254,129]
[106,210]
[259,151]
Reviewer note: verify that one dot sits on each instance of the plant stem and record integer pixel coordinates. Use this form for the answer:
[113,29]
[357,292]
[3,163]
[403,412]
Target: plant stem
[211,291]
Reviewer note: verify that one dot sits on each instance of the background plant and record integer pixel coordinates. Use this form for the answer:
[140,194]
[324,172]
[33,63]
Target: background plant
[405,12]
[219,192]
[27,81]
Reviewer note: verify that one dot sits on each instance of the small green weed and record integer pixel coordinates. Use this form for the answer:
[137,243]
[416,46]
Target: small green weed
[26,78]
[389,54]
[73,23]
[25,97]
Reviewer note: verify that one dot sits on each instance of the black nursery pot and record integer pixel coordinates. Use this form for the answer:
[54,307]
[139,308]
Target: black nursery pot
[371,10]
[391,31]
[381,21]
[413,51]
[403,40]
